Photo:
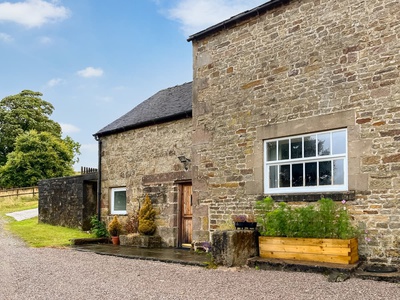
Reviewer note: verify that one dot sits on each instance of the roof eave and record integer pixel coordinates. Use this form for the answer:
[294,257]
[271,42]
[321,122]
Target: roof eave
[182,115]
[236,19]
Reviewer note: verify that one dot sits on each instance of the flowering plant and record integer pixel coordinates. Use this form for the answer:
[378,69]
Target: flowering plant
[239,218]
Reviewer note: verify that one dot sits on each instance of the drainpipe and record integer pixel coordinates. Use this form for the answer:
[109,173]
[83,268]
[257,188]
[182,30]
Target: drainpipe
[99,179]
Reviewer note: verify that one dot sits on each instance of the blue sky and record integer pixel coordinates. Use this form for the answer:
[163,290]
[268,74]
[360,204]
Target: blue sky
[95,60]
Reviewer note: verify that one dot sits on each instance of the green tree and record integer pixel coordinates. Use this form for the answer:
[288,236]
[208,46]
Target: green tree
[38,155]
[21,113]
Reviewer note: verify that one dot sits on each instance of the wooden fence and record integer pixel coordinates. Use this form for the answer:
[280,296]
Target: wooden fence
[27,191]
[87,170]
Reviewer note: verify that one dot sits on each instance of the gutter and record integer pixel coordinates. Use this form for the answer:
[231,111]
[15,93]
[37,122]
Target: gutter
[99,178]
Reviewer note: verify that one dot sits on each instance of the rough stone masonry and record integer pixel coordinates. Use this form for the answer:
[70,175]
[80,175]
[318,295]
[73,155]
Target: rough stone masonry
[302,67]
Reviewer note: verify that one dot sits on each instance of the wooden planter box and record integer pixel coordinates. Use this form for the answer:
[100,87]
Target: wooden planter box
[308,249]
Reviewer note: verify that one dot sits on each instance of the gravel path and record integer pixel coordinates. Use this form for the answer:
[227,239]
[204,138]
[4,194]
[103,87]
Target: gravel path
[46,273]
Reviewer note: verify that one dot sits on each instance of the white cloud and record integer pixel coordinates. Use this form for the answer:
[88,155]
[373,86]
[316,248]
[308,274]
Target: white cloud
[197,15]
[55,81]
[33,13]
[5,37]
[90,72]
[45,40]
[69,128]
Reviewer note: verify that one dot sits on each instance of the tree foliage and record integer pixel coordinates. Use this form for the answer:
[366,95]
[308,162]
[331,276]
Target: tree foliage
[38,155]
[21,113]
[31,144]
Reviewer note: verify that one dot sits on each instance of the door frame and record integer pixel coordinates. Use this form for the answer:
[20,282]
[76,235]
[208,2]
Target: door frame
[180,212]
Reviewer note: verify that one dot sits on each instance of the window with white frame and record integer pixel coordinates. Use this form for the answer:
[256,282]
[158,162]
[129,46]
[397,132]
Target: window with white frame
[314,162]
[118,201]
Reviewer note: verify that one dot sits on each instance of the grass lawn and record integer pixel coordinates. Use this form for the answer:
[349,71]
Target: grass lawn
[33,233]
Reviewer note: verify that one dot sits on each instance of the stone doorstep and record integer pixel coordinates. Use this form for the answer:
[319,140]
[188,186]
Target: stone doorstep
[85,241]
[352,270]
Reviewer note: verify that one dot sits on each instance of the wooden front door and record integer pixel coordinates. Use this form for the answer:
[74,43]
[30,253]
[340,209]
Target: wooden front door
[186,215]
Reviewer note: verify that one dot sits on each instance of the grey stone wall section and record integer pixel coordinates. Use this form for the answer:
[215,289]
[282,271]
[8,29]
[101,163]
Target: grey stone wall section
[145,161]
[302,67]
[68,201]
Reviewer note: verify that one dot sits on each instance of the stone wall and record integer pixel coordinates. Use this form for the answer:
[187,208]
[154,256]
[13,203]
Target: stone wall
[145,161]
[68,201]
[302,67]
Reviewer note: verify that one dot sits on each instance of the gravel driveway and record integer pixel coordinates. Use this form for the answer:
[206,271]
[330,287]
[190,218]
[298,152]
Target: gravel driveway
[46,273]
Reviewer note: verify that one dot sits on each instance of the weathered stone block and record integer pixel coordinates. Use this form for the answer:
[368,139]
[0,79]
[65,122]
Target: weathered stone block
[233,247]
[140,241]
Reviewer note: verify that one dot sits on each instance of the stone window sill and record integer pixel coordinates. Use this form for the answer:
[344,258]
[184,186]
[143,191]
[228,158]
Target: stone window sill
[313,197]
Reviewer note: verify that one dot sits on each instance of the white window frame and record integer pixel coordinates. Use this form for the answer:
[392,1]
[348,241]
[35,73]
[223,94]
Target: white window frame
[317,158]
[113,211]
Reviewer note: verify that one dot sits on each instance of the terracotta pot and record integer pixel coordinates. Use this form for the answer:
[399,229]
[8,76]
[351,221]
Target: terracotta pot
[115,240]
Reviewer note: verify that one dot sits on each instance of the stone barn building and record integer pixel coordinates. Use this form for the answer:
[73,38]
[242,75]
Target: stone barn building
[140,155]
[293,99]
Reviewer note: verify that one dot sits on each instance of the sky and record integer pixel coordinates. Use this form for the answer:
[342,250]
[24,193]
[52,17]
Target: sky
[95,60]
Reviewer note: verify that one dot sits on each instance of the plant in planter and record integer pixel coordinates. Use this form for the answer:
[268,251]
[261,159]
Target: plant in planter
[242,221]
[147,214]
[319,232]
[114,228]
[251,222]
[239,221]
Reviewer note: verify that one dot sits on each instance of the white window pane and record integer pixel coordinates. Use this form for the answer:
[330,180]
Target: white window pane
[325,173]
[297,175]
[339,142]
[273,176]
[296,146]
[324,144]
[119,200]
[283,149]
[311,174]
[310,148]
[284,176]
[271,151]
[338,171]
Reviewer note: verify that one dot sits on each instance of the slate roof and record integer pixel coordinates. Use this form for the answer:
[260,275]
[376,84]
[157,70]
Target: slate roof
[167,105]
[238,18]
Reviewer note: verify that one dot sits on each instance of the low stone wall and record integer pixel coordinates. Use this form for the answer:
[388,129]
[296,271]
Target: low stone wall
[232,248]
[68,201]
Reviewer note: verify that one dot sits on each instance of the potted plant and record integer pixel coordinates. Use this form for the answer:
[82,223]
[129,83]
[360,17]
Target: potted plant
[114,228]
[239,221]
[243,221]
[251,222]
[320,232]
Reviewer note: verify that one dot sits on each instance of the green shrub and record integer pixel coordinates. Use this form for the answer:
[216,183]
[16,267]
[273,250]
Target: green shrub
[147,214]
[99,228]
[325,219]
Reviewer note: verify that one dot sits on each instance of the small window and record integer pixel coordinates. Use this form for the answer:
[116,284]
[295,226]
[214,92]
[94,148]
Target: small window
[306,163]
[118,201]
